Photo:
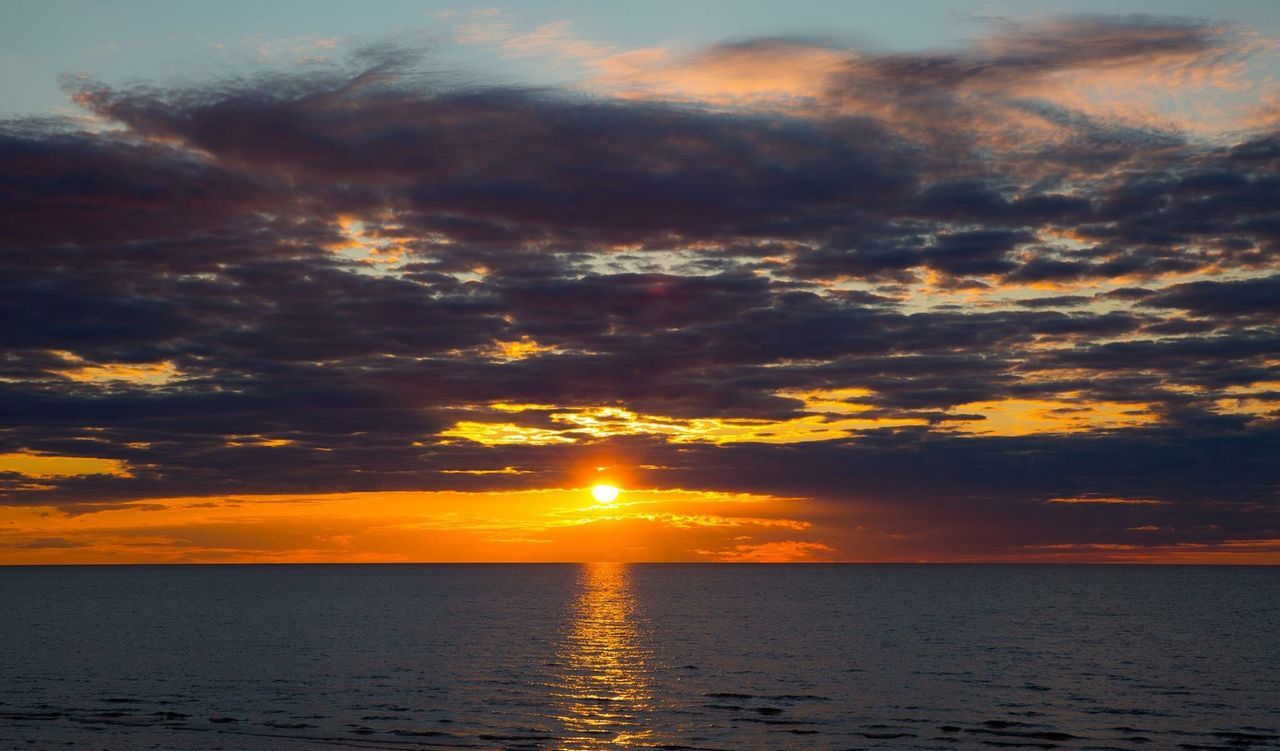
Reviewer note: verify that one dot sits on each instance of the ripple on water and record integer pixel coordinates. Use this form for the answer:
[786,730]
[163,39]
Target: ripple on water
[682,658]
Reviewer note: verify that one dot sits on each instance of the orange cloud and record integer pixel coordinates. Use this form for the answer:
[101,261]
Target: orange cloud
[1014,417]
[832,414]
[785,551]
[1108,501]
[148,374]
[520,349]
[1202,79]
[772,73]
[591,423]
[45,466]
[1261,551]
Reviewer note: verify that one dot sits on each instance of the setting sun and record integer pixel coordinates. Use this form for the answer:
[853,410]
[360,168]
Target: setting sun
[604,493]
[340,337]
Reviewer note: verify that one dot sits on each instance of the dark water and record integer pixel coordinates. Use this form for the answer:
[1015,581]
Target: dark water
[663,656]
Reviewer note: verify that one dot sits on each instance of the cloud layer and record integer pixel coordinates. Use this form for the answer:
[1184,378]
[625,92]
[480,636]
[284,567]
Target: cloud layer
[934,294]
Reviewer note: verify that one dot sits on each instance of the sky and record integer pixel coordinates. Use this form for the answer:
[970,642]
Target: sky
[808,281]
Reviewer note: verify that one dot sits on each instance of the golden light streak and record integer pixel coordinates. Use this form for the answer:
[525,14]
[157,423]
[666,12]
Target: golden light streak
[508,470]
[593,423]
[81,371]
[1015,417]
[1109,501]
[257,439]
[45,466]
[832,414]
[504,434]
[1260,399]
[521,349]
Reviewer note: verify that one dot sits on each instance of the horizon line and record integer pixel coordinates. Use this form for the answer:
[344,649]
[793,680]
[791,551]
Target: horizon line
[141,564]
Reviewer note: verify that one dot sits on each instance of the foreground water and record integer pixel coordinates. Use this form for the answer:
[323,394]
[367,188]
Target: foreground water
[665,656]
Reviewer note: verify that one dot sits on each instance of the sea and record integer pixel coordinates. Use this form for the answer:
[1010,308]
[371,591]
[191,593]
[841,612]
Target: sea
[644,656]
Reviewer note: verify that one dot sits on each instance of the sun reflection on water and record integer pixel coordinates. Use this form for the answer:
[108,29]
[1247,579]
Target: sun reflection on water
[604,690]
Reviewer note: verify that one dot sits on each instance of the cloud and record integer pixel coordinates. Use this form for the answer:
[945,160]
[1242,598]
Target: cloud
[787,551]
[493,27]
[932,294]
[50,543]
[1251,298]
[767,73]
[50,466]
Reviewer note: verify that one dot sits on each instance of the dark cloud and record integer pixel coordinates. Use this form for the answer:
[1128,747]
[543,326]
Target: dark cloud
[1245,298]
[48,542]
[512,166]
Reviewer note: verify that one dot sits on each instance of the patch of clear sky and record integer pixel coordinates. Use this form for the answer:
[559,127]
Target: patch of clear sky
[171,42]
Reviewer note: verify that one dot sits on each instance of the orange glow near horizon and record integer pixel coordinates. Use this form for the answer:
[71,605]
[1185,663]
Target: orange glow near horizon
[547,525]
[559,524]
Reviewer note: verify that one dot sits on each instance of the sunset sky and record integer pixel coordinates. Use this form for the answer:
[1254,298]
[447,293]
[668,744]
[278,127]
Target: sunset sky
[806,281]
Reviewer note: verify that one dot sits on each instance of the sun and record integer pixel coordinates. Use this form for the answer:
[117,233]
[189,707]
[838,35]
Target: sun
[604,493]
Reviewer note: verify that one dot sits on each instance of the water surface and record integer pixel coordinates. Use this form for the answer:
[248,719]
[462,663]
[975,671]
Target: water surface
[642,656]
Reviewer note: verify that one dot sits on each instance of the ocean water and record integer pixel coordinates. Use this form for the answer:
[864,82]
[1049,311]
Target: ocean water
[607,656]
